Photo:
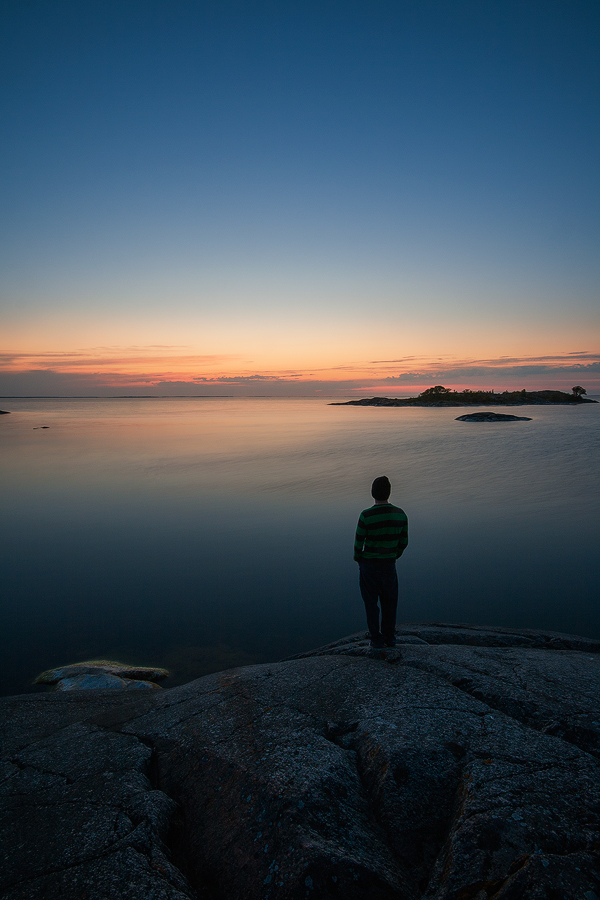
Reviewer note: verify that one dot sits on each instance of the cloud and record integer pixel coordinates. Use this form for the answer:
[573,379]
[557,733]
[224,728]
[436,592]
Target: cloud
[126,359]
[555,370]
[452,373]
[86,373]
[501,361]
[46,383]
[245,379]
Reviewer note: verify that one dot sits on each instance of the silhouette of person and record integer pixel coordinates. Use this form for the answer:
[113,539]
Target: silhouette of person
[381,539]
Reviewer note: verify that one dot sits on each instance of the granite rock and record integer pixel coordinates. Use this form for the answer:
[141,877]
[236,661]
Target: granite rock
[491,417]
[101,674]
[462,765]
[102,682]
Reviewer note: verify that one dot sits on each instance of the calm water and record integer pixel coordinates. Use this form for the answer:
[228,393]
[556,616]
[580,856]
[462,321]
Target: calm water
[199,534]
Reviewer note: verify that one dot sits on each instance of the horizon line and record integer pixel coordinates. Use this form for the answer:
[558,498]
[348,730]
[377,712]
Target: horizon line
[235,396]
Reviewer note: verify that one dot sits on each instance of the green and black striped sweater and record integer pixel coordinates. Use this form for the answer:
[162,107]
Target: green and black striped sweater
[381,533]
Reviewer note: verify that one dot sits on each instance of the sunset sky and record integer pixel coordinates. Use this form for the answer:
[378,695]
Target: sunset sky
[299,196]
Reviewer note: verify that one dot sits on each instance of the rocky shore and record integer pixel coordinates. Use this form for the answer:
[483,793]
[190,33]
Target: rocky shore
[463,765]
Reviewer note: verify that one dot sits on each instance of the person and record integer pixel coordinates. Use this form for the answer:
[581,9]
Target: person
[381,539]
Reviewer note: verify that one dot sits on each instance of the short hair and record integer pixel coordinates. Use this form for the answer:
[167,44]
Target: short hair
[381,488]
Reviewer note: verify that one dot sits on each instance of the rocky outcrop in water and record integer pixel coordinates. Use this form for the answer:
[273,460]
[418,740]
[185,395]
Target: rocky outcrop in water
[462,765]
[101,674]
[491,417]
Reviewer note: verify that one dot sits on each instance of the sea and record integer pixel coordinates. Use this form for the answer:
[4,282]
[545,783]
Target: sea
[199,533]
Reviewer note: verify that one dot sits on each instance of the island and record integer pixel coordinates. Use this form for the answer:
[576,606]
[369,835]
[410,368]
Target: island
[443,396]
[462,765]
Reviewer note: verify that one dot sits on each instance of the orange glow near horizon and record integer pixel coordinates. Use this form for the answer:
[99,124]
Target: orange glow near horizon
[154,366]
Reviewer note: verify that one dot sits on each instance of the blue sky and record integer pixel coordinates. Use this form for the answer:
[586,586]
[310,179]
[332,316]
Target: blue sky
[283,193]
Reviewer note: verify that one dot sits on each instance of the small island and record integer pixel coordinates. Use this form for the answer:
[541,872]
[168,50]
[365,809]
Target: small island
[443,396]
[491,417]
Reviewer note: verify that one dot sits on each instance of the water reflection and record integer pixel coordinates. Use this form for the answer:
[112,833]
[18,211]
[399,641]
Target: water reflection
[135,529]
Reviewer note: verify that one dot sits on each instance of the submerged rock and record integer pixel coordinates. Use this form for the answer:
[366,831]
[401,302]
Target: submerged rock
[491,417]
[463,764]
[101,674]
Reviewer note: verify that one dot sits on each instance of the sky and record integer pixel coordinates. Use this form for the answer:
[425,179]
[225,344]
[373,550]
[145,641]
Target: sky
[271,197]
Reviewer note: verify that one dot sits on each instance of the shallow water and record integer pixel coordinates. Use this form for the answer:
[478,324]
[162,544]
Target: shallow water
[199,534]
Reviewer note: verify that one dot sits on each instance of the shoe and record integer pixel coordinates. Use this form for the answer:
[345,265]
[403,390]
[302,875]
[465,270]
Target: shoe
[377,644]
[391,643]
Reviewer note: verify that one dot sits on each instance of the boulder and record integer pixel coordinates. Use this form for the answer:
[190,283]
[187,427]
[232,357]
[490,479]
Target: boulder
[102,682]
[462,765]
[101,674]
[491,417]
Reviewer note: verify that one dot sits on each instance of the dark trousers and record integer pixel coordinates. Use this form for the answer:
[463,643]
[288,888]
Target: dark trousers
[379,582]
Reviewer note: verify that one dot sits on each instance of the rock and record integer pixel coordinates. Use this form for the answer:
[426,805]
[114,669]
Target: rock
[101,674]
[491,417]
[81,820]
[102,683]
[4,412]
[462,765]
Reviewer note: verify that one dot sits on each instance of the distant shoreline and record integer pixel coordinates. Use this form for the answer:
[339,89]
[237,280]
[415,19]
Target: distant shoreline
[119,397]
[450,398]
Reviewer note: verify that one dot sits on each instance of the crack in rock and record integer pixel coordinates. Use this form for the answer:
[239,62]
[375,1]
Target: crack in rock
[465,770]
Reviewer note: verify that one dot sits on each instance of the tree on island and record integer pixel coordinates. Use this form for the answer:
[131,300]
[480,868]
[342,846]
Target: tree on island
[578,390]
[436,393]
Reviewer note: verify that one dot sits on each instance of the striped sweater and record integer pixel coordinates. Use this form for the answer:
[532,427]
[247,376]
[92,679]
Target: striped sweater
[381,533]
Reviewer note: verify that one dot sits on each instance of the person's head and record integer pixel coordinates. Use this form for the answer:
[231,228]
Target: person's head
[381,488]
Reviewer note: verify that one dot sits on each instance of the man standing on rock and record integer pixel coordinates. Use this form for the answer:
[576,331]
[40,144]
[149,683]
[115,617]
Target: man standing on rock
[381,539]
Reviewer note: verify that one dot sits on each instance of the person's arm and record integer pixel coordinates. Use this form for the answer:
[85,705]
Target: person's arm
[402,541]
[359,540]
